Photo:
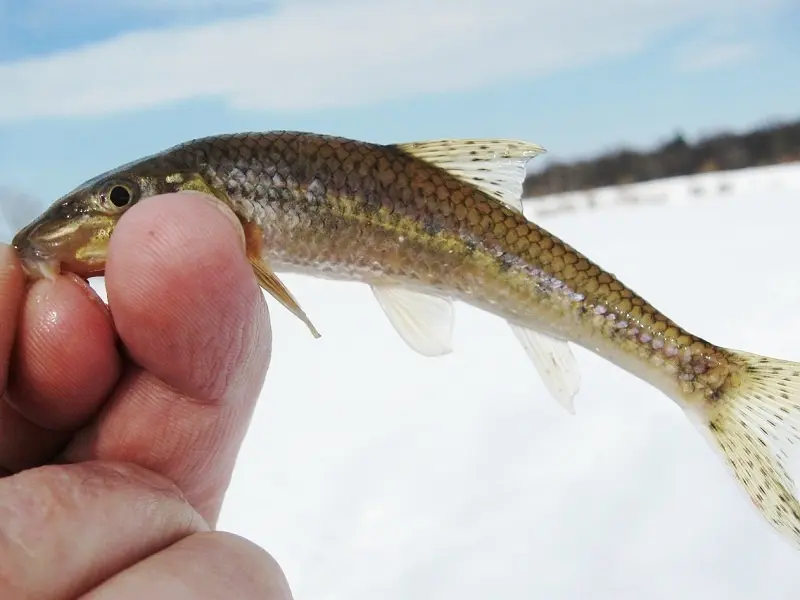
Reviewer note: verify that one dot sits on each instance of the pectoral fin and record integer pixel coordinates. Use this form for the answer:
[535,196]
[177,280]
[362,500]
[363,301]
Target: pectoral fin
[425,322]
[555,363]
[268,280]
[253,236]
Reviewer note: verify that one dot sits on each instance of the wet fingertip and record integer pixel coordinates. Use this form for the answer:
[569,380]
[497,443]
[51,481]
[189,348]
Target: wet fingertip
[46,291]
[66,359]
[41,290]
[89,292]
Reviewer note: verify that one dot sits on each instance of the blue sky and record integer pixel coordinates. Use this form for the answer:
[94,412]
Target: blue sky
[88,84]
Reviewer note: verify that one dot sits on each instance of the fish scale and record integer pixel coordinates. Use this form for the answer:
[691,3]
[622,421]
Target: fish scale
[300,188]
[425,224]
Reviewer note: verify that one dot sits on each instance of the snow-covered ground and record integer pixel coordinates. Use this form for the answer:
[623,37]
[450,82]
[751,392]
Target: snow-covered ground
[371,472]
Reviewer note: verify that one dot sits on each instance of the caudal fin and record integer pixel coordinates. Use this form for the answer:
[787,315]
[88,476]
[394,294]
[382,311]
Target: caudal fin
[754,422]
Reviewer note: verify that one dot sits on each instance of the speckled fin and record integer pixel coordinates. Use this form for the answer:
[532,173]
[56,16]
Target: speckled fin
[424,322]
[754,424]
[555,362]
[270,282]
[497,167]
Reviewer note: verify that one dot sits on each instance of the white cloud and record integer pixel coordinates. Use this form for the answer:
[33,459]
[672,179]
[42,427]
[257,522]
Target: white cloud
[46,9]
[311,55]
[715,54]
[167,5]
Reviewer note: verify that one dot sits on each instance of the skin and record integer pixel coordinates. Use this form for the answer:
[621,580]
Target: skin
[118,434]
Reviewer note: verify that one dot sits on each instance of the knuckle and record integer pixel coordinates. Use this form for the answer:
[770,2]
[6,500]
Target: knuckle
[44,510]
[33,500]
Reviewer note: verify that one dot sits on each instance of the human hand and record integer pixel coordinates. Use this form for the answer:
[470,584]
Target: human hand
[118,435]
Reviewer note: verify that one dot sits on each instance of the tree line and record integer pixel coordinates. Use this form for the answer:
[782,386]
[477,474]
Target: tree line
[768,145]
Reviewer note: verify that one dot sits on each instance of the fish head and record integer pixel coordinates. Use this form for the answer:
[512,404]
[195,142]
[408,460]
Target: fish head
[73,234]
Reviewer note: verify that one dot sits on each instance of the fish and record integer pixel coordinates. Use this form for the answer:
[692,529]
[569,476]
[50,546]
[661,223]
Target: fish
[430,224]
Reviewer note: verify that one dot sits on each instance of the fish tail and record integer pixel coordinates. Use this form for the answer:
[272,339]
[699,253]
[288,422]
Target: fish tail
[753,420]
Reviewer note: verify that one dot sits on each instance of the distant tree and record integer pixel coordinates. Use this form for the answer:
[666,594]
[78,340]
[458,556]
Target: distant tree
[771,144]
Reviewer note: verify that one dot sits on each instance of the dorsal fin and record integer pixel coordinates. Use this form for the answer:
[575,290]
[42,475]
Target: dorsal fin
[497,167]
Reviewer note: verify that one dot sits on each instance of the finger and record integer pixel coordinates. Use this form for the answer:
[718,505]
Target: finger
[11,288]
[24,444]
[205,566]
[193,319]
[65,529]
[65,363]
[12,281]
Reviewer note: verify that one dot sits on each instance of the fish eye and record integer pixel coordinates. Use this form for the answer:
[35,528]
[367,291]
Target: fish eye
[119,194]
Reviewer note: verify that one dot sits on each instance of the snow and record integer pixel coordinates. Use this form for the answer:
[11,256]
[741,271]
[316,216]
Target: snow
[372,472]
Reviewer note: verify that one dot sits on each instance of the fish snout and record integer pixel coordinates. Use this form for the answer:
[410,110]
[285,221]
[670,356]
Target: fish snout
[38,246]
[24,241]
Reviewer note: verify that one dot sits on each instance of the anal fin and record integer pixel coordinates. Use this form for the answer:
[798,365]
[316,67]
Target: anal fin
[555,363]
[424,321]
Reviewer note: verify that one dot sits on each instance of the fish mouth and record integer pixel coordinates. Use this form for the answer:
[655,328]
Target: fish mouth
[47,248]
[37,261]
